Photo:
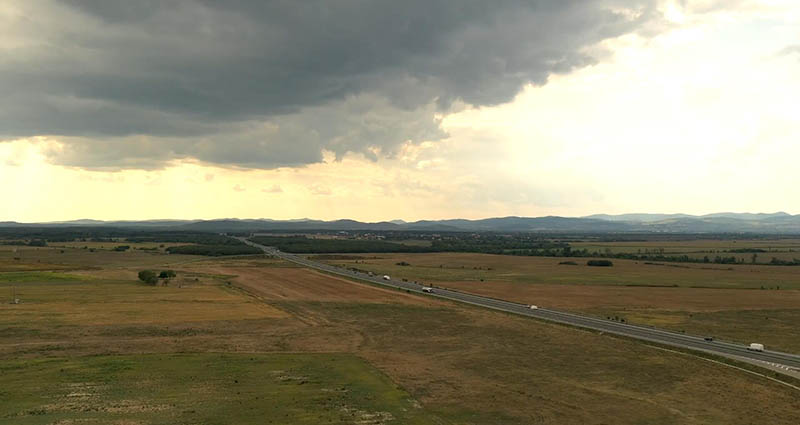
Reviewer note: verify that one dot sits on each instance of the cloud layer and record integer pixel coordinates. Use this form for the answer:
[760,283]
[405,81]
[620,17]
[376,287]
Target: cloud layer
[265,84]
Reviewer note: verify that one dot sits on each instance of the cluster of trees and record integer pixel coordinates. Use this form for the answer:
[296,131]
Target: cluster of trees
[151,278]
[214,250]
[497,244]
[599,263]
[683,258]
[110,234]
[483,243]
[779,262]
[746,250]
[185,237]
[304,245]
[210,244]
[66,234]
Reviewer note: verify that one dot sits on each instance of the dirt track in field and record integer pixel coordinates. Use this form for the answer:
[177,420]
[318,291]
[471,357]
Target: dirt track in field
[296,284]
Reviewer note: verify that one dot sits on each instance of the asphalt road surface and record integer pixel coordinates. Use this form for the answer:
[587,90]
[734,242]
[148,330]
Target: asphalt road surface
[781,362]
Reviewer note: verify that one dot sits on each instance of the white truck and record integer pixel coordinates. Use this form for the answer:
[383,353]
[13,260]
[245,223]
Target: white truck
[754,346]
[386,277]
[427,289]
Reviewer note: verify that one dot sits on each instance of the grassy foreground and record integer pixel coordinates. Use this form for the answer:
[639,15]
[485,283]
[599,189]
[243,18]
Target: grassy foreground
[203,388]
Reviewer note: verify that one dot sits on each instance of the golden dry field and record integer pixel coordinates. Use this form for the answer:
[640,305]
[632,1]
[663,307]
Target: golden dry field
[724,301]
[443,363]
[782,249]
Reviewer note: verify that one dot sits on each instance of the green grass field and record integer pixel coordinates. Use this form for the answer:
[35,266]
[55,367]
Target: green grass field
[203,388]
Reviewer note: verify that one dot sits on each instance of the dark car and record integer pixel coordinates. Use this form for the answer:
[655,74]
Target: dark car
[709,338]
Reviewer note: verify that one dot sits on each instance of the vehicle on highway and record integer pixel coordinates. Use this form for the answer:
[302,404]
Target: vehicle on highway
[386,277]
[615,325]
[532,307]
[709,338]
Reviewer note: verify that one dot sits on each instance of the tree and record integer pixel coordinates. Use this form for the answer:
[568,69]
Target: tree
[167,274]
[149,277]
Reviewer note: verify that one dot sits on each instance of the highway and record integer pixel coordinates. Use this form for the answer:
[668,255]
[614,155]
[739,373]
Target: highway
[781,362]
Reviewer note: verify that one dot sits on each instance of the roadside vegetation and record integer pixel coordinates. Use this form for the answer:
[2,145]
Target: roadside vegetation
[215,250]
[762,301]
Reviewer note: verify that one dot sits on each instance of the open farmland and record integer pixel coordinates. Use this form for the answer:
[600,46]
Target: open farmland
[55,258]
[452,267]
[452,363]
[113,244]
[722,301]
[742,249]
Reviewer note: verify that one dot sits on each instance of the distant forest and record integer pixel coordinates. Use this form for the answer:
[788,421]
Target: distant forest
[519,244]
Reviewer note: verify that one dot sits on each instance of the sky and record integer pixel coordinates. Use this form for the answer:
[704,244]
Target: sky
[381,110]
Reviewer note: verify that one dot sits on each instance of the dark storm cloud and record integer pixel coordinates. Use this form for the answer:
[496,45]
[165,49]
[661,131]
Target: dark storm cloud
[269,83]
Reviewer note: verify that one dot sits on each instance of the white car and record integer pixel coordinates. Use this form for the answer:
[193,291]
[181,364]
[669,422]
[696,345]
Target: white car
[532,307]
[427,289]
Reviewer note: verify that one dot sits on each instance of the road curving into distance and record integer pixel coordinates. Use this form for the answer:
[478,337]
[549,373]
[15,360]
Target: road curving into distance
[780,362]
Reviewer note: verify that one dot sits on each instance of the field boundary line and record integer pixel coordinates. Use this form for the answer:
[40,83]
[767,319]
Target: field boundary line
[727,365]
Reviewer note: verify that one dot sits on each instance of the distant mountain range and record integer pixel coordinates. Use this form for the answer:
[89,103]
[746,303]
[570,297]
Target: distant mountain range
[775,223]
[648,218]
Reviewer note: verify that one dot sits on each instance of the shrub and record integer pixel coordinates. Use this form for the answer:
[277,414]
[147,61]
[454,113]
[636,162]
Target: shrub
[214,250]
[167,274]
[148,276]
[599,263]
[122,248]
[568,263]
